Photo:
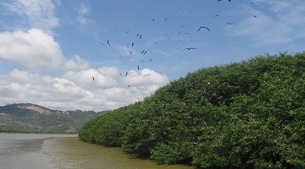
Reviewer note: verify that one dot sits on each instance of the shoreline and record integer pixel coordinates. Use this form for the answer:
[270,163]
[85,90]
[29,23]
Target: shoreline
[70,152]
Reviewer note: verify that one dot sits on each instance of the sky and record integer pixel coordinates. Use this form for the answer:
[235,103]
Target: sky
[104,54]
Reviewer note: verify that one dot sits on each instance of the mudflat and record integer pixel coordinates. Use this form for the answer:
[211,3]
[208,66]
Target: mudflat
[71,153]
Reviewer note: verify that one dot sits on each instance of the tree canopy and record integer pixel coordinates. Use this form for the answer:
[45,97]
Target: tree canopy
[249,114]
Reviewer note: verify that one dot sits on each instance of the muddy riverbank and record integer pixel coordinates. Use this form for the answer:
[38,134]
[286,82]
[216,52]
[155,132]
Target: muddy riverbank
[71,153]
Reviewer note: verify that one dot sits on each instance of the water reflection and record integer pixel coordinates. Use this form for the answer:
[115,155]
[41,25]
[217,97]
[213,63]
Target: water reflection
[44,151]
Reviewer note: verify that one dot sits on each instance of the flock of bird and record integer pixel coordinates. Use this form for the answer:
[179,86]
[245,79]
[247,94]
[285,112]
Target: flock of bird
[143,52]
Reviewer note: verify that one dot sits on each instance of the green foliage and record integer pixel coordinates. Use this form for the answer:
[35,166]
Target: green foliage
[242,115]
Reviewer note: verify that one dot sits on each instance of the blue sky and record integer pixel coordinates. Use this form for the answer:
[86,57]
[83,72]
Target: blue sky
[75,54]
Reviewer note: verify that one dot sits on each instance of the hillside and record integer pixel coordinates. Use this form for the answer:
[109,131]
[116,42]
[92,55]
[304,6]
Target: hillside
[249,114]
[34,118]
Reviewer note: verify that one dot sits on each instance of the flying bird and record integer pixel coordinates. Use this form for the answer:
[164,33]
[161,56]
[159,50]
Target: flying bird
[191,48]
[139,36]
[138,67]
[165,19]
[204,27]
[108,42]
[143,52]
[92,78]
[254,16]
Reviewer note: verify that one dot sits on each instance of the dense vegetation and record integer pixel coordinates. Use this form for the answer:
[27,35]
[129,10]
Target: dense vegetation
[242,115]
[37,119]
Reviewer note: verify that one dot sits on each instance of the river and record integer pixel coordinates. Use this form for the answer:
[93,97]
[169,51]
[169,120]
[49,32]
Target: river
[24,151]
[52,151]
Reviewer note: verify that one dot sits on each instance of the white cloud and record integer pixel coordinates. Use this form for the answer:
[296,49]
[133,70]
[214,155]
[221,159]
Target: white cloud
[76,90]
[76,64]
[109,71]
[90,78]
[37,13]
[79,86]
[33,49]
[145,77]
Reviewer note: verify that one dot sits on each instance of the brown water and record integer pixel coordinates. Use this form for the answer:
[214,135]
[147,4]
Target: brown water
[71,153]
[24,151]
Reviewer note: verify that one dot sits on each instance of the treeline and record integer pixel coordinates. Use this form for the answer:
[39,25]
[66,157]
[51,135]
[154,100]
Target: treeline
[249,114]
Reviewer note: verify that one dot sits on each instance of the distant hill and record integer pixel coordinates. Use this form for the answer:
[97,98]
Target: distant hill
[27,117]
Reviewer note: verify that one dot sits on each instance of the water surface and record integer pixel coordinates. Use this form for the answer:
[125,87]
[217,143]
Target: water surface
[45,151]
[71,153]
[24,151]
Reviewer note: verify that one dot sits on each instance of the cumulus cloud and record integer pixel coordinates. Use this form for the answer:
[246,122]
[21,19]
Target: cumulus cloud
[108,71]
[37,13]
[77,63]
[145,77]
[33,49]
[90,78]
[77,90]
[74,84]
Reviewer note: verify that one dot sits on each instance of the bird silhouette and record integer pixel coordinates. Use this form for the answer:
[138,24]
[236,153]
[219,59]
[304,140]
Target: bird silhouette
[138,67]
[191,48]
[143,52]
[204,27]
[92,78]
